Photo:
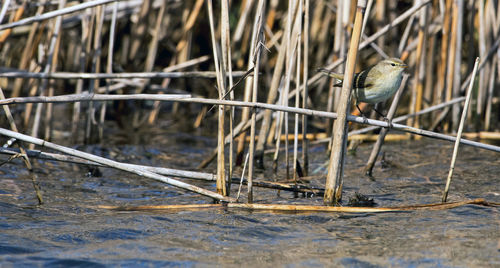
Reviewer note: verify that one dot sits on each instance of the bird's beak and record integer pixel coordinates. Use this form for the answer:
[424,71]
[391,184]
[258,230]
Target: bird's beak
[404,66]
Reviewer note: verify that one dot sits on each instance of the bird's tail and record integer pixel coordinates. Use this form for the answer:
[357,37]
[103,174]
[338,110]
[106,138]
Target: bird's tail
[339,77]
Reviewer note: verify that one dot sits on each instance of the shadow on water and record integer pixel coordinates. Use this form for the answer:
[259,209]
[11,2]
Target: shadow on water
[69,229]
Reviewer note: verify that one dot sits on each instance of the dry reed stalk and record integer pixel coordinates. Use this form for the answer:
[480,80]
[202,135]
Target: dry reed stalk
[405,117]
[297,96]
[308,112]
[431,68]
[458,61]
[380,18]
[227,65]
[445,42]
[142,75]
[380,141]
[489,99]
[459,133]
[305,89]
[163,171]
[95,68]
[248,82]
[403,42]
[47,69]
[482,135]
[55,13]
[114,164]
[17,15]
[271,97]
[482,51]
[5,6]
[151,57]
[291,46]
[450,74]
[417,93]
[84,51]
[109,66]
[221,85]
[323,137]
[257,42]
[77,160]
[139,28]
[33,86]
[305,208]
[50,91]
[339,50]
[333,186]
[27,52]
[22,152]
[246,8]
[242,174]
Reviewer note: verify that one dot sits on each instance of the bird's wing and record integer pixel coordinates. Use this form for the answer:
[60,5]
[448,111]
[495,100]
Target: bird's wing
[363,80]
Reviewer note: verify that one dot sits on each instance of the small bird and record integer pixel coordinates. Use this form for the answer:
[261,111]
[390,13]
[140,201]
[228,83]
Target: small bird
[375,84]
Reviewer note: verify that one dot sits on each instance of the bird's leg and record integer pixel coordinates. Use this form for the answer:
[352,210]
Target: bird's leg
[389,121]
[361,112]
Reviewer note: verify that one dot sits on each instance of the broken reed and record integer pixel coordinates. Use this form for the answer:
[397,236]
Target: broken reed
[119,40]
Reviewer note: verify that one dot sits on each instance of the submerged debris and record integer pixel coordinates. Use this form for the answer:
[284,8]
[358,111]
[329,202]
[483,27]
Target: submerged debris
[361,200]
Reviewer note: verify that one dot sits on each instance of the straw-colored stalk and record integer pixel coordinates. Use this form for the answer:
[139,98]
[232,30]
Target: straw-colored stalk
[297,96]
[50,91]
[84,51]
[55,13]
[109,65]
[459,133]
[417,93]
[221,173]
[308,112]
[482,51]
[227,65]
[95,68]
[257,40]
[117,165]
[380,141]
[271,97]
[333,187]
[305,89]
[47,69]
[452,56]
[445,43]
[22,151]
[458,59]
[27,52]
[303,208]
[291,46]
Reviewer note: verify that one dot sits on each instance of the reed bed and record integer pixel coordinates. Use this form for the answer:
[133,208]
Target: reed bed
[84,55]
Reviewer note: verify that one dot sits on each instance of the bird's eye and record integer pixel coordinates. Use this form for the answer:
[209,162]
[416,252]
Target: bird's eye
[392,64]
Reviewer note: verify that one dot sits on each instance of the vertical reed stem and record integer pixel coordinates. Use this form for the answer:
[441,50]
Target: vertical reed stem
[257,40]
[305,95]
[380,140]
[333,187]
[459,133]
[221,180]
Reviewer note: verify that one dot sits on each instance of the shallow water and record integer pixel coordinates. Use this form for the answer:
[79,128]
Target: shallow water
[70,230]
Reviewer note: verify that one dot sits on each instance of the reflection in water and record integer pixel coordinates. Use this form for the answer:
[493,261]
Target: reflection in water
[68,230]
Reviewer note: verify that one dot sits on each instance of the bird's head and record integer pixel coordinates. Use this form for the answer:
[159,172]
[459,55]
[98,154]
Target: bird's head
[391,65]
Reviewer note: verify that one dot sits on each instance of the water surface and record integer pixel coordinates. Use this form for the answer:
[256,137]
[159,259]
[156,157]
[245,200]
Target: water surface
[70,230]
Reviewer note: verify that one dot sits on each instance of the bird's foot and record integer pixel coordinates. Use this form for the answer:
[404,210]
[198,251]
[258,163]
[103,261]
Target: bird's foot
[365,119]
[389,122]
